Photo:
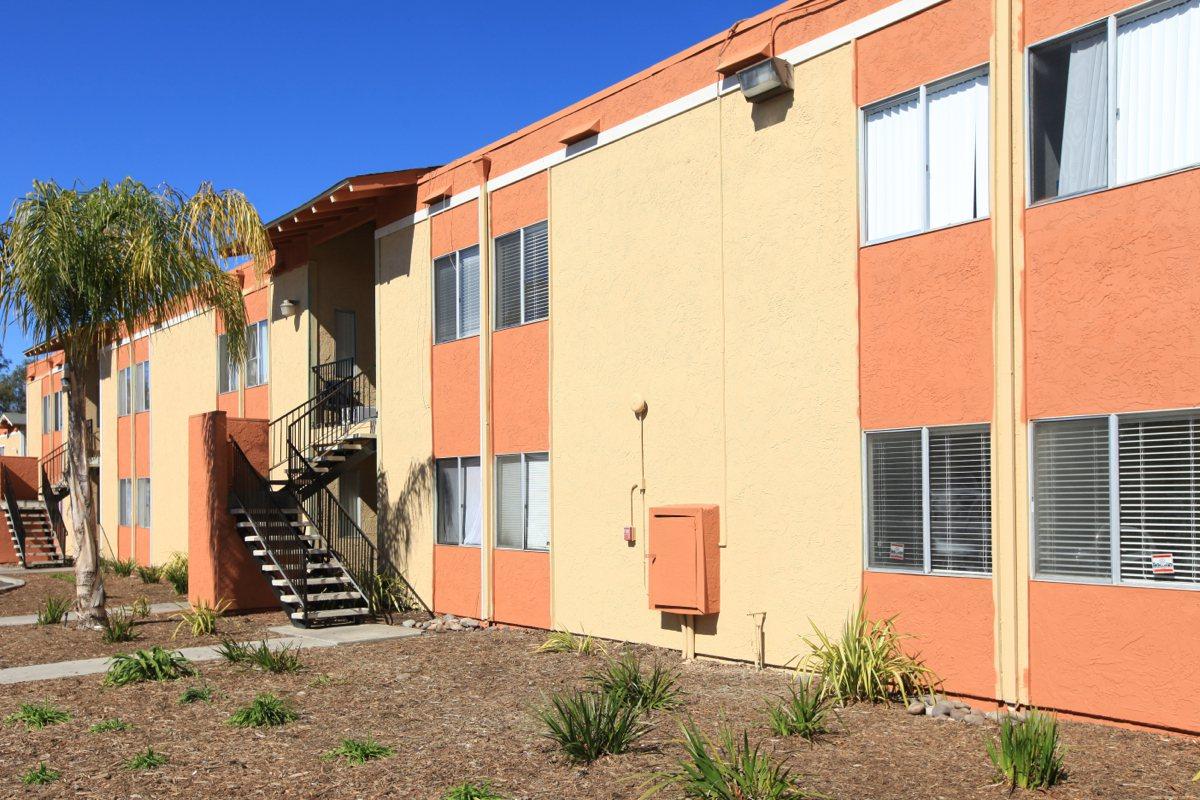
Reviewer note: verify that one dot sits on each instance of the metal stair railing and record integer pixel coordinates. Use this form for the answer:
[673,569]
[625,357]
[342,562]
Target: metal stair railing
[345,402]
[330,388]
[14,516]
[342,535]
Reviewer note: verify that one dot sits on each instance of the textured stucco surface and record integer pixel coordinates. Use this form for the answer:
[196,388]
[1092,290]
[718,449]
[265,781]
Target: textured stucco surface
[290,383]
[1048,18]
[520,389]
[522,586]
[456,580]
[456,398]
[670,227]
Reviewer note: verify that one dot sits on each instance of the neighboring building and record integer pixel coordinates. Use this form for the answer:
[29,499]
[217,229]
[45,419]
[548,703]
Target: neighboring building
[919,327]
[12,434]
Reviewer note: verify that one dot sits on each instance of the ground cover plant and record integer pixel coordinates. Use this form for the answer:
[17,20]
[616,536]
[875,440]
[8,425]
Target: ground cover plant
[41,774]
[53,611]
[473,791]
[359,751]
[266,710]
[118,627]
[149,574]
[588,725]
[155,664]
[655,689]
[805,713]
[35,716]
[1028,755]
[196,694]
[728,770]
[124,568]
[175,572]
[563,641]
[109,726]
[140,607]
[147,759]
[201,618]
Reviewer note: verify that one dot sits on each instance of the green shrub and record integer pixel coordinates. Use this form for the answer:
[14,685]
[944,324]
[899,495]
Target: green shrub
[473,791]
[587,725]
[147,759]
[176,573]
[109,725]
[1028,755]
[233,652]
[386,594]
[149,574]
[867,662]
[563,641]
[659,688]
[140,608]
[54,611]
[281,659]
[123,569]
[804,714]
[155,664]
[201,618]
[732,770]
[35,716]
[118,627]
[196,694]
[40,774]
[359,751]
[266,710]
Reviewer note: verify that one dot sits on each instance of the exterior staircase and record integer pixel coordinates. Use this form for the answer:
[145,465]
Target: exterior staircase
[33,535]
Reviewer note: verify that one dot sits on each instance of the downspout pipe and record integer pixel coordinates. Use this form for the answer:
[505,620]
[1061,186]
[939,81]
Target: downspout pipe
[487,603]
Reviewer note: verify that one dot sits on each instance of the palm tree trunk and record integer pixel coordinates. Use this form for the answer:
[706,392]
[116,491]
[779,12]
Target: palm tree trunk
[89,580]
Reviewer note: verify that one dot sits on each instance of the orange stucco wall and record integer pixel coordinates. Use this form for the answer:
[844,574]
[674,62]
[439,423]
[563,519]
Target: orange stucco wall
[1111,317]
[228,402]
[258,401]
[926,329]
[521,389]
[520,204]
[522,587]
[1122,652]
[454,229]
[22,475]
[456,398]
[456,580]
[1047,18]
[952,621]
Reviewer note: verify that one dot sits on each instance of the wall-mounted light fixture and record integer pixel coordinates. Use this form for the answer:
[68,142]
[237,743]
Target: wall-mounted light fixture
[765,79]
[287,308]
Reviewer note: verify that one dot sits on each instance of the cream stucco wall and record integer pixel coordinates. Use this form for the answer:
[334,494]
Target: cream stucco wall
[289,342]
[405,429]
[107,494]
[33,418]
[723,244]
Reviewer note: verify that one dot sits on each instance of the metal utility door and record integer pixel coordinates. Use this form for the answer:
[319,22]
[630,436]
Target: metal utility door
[673,562]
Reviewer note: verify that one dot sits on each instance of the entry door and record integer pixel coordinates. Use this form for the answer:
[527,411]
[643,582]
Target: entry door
[345,335]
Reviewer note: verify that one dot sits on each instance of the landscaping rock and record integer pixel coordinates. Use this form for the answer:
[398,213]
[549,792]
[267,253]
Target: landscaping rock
[916,707]
[454,626]
[469,623]
[973,719]
[409,623]
[957,713]
[940,709]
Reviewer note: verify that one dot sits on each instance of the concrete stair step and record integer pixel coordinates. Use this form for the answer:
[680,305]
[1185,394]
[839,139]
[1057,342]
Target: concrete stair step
[316,597]
[333,613]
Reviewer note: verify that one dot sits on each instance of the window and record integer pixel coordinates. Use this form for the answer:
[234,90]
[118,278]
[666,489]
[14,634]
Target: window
[1115,102]
[143,513]
[125,502]
[228,373]
[124,392]
[929,506]
[523,276]
[47,415]
[58,411]
[456,295]
[1117,499]
[256,354]
[141,386]
[926,158]
[459,517]
[523,501]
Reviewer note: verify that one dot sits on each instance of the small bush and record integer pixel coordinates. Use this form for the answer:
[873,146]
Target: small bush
[1028,754]
[147,759]
[196,694]
[201,619]
[35,716]
[140,608]
[234,652]
[118,627]
[109,725]
[176,573]
[266,710]
[659,688]
[803,715]
[587,725]
[149,574]
[867,662]
[473,791]
[123,569]
[564,641]
[155,664]
[732,770]
[40,774]
[54,611]
[281,659]
[386,594]
[359,751]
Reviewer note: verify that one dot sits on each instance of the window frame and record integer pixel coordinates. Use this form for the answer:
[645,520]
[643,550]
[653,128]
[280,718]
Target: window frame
[520,233]
[524,462]
[58,410]
[141,400]
[457,256]
[125,391]
[258,330]
[1114,484]
[229,370]
[1111,23]
[125,514]
[926,506]
[462,508]
[147,506]
[922,93]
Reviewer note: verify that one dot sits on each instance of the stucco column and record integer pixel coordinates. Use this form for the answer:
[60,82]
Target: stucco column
[486,481]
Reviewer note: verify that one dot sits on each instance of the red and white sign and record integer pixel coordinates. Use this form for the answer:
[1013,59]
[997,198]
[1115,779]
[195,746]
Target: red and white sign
[896,552]
[1162,563]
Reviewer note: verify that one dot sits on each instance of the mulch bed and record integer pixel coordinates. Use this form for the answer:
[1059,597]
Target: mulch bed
[456,707]
[23,645]
[40,585]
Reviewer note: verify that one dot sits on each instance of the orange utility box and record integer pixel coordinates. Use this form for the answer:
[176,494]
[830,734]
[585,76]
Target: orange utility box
[685,559]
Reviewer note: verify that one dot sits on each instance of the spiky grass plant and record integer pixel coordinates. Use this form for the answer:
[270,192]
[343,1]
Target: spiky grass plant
[563,641]
[140,607]
[359,751]
[155,664]
[473,791]
[149,574]
[39,775]
[147,759]
[805,713]
[175,572]
[118,627]
[53,611]
[110,726]
[729,769]
[234,652]
[587,725]
[196,694]
[123,569]
[266,710]
[867,662]
[201,618]
[35,716]
[657,688]
[285,658]
[1028,755]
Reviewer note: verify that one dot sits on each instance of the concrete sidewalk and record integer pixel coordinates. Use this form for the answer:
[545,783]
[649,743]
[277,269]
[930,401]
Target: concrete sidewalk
[293,637]
[31,619]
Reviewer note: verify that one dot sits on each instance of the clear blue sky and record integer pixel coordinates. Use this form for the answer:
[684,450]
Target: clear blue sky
[282,99]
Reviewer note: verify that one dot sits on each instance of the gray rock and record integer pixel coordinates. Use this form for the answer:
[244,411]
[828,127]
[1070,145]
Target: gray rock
[454,626]
[469,623]
[960,704]
[409,623]
[958,713]
[940,709]
[916,707]
[973,719]
[449,618]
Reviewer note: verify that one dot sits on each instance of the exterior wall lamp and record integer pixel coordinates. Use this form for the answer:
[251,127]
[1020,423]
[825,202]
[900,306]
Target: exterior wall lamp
[765,79]
[287,308]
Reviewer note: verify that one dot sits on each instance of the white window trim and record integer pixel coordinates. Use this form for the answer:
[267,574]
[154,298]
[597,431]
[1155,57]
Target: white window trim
[260,332]
[1111,22]
[524,548]
[521,287]
[462,506]
[458,334]
[1114,506]
[926,534]
[922,92]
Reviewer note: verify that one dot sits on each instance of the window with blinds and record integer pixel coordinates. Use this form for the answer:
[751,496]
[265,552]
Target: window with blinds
[456,295]
[523,501]
[125,502]
[228,374]
[141,386]
[1071,512]
[143,494]
[523,276]
[257,355]
[929,500]
[124,392]
[459,511]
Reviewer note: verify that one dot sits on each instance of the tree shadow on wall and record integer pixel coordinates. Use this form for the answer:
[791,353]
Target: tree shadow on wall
[400,512]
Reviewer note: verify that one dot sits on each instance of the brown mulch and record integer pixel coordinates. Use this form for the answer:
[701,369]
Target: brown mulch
[30,644]
[40,585]
[456,707]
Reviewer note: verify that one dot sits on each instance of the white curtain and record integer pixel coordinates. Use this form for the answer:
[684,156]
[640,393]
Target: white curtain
[538,501]
[472,509]
[895,170]
[958,152]
[1084,161]
[1158,92]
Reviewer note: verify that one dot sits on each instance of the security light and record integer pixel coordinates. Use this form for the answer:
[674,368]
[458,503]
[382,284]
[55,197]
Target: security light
[287,308]
[765,79]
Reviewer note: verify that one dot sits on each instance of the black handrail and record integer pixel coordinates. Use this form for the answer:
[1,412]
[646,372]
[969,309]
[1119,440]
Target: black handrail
[330,388]
[277,533]
[346,403]
[345,539]
[14,516]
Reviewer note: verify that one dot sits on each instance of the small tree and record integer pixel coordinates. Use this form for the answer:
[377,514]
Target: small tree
[81,268]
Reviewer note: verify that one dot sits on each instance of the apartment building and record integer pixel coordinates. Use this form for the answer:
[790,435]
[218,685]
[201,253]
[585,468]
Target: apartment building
[854,300]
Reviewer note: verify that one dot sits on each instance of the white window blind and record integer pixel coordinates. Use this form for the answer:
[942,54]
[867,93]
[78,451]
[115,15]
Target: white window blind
[227,371]
[1071,511]
[523,276]
[141,386]
[537,272]
[960,499]
[456,295]
[124,392]
[537,469]
[895,510]
[47,418]
[143,517]
[508,280]
[958,151]
[895,170]
[125,501]
[58,411]
[468,292]
[256,354]
[449,501]
[510,502]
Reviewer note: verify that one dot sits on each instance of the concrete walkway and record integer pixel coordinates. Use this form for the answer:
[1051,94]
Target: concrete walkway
[292,637]
[31,619]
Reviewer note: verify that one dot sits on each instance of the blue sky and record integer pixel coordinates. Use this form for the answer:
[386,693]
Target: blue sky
[282,99]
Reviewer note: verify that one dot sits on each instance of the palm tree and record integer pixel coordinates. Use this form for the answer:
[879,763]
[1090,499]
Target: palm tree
[81,268]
